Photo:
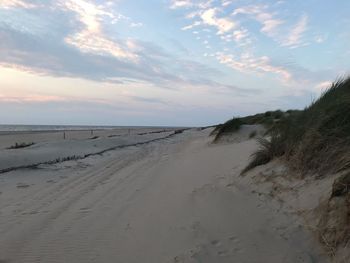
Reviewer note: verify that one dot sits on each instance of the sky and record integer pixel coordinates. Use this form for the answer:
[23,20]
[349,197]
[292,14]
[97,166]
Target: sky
[166,62]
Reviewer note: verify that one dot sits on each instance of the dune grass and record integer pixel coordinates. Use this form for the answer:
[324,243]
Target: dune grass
[315,140]
[230,126]
[253,134]
[20,145]
[267,119]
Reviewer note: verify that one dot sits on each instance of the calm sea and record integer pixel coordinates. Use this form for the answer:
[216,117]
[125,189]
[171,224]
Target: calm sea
[19,128]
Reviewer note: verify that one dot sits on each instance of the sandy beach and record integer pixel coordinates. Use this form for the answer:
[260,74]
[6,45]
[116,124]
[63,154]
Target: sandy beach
[175,199]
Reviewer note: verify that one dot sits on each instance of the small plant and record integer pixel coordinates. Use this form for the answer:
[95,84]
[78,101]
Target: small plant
[178,131]
[252,134]
[21,145]
[269,148]
[341,186]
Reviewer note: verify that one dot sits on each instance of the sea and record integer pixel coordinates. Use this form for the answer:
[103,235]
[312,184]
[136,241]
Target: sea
[37,128]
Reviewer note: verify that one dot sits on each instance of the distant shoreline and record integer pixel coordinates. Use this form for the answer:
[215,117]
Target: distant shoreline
[7,129]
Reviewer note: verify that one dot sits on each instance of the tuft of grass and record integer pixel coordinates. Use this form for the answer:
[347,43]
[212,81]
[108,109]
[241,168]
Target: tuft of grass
[216,130]
[228,127]
[341,186]
[269,148]
[20,145]
[268,119]
[252,134]
[317,139]
[178,131]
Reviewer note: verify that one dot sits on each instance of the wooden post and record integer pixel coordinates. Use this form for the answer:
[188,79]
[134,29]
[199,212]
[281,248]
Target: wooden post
[64,135]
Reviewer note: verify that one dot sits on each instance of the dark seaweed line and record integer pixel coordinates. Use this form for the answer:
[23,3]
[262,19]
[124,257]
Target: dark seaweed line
[77,157]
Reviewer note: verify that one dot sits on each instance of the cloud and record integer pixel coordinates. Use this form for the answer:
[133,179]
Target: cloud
[194,24]
[294,39]
[6,4]
[247,63]
[223,25]
[269,23]
[181,3]
[322,86]
[226,2]
[149,100]
[201,4]
[30,98]
[47,54]
[91,38]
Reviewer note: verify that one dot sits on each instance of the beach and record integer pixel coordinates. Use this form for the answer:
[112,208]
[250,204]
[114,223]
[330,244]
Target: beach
[155,197]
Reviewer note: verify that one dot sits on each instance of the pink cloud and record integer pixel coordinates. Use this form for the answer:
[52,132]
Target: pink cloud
[16,4]
[248,63]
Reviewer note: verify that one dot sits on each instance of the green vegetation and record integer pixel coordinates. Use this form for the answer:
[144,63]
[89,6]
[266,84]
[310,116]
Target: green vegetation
[230,126]
[341,186]
[315,140]
[20,145]
[179,131]
[267,119]
[252,134]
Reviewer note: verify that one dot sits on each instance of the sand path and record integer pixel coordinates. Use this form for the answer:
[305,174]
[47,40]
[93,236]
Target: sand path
[169,201]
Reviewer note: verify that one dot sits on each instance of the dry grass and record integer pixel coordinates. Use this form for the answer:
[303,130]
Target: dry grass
[228,127]
[20,145]
[315,140]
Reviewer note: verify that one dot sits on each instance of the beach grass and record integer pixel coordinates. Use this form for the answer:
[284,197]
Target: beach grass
[20,145]
[315,140]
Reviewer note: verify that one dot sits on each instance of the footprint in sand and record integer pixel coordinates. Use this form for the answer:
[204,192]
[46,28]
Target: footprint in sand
[84,210]
[236,244]
[22,185]
[215,243]
[51,181]
[223,253]
[233,239]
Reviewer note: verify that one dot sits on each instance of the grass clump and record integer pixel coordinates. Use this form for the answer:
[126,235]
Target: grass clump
[20,145]
[267,119]
[179,131]
[341,186]
[315,140]
[230,126]
[252,134]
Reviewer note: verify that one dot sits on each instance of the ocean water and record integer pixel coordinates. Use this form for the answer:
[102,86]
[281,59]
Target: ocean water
[19,128]
[37,128]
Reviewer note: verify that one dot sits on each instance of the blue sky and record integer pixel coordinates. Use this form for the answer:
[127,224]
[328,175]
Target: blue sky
[166,62]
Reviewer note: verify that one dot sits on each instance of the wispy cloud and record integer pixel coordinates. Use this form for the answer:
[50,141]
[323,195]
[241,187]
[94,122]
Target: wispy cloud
[181,3]
[91,37]
[294,38]
[249,64]
[322,86]
[223,24]
[267,19]
[16,3]
[201,4]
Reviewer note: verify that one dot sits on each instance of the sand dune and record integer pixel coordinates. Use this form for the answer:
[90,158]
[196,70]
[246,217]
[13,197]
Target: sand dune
[175,200]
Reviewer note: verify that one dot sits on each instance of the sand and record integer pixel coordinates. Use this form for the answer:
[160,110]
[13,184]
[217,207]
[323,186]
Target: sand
[50,146]
[178,199]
